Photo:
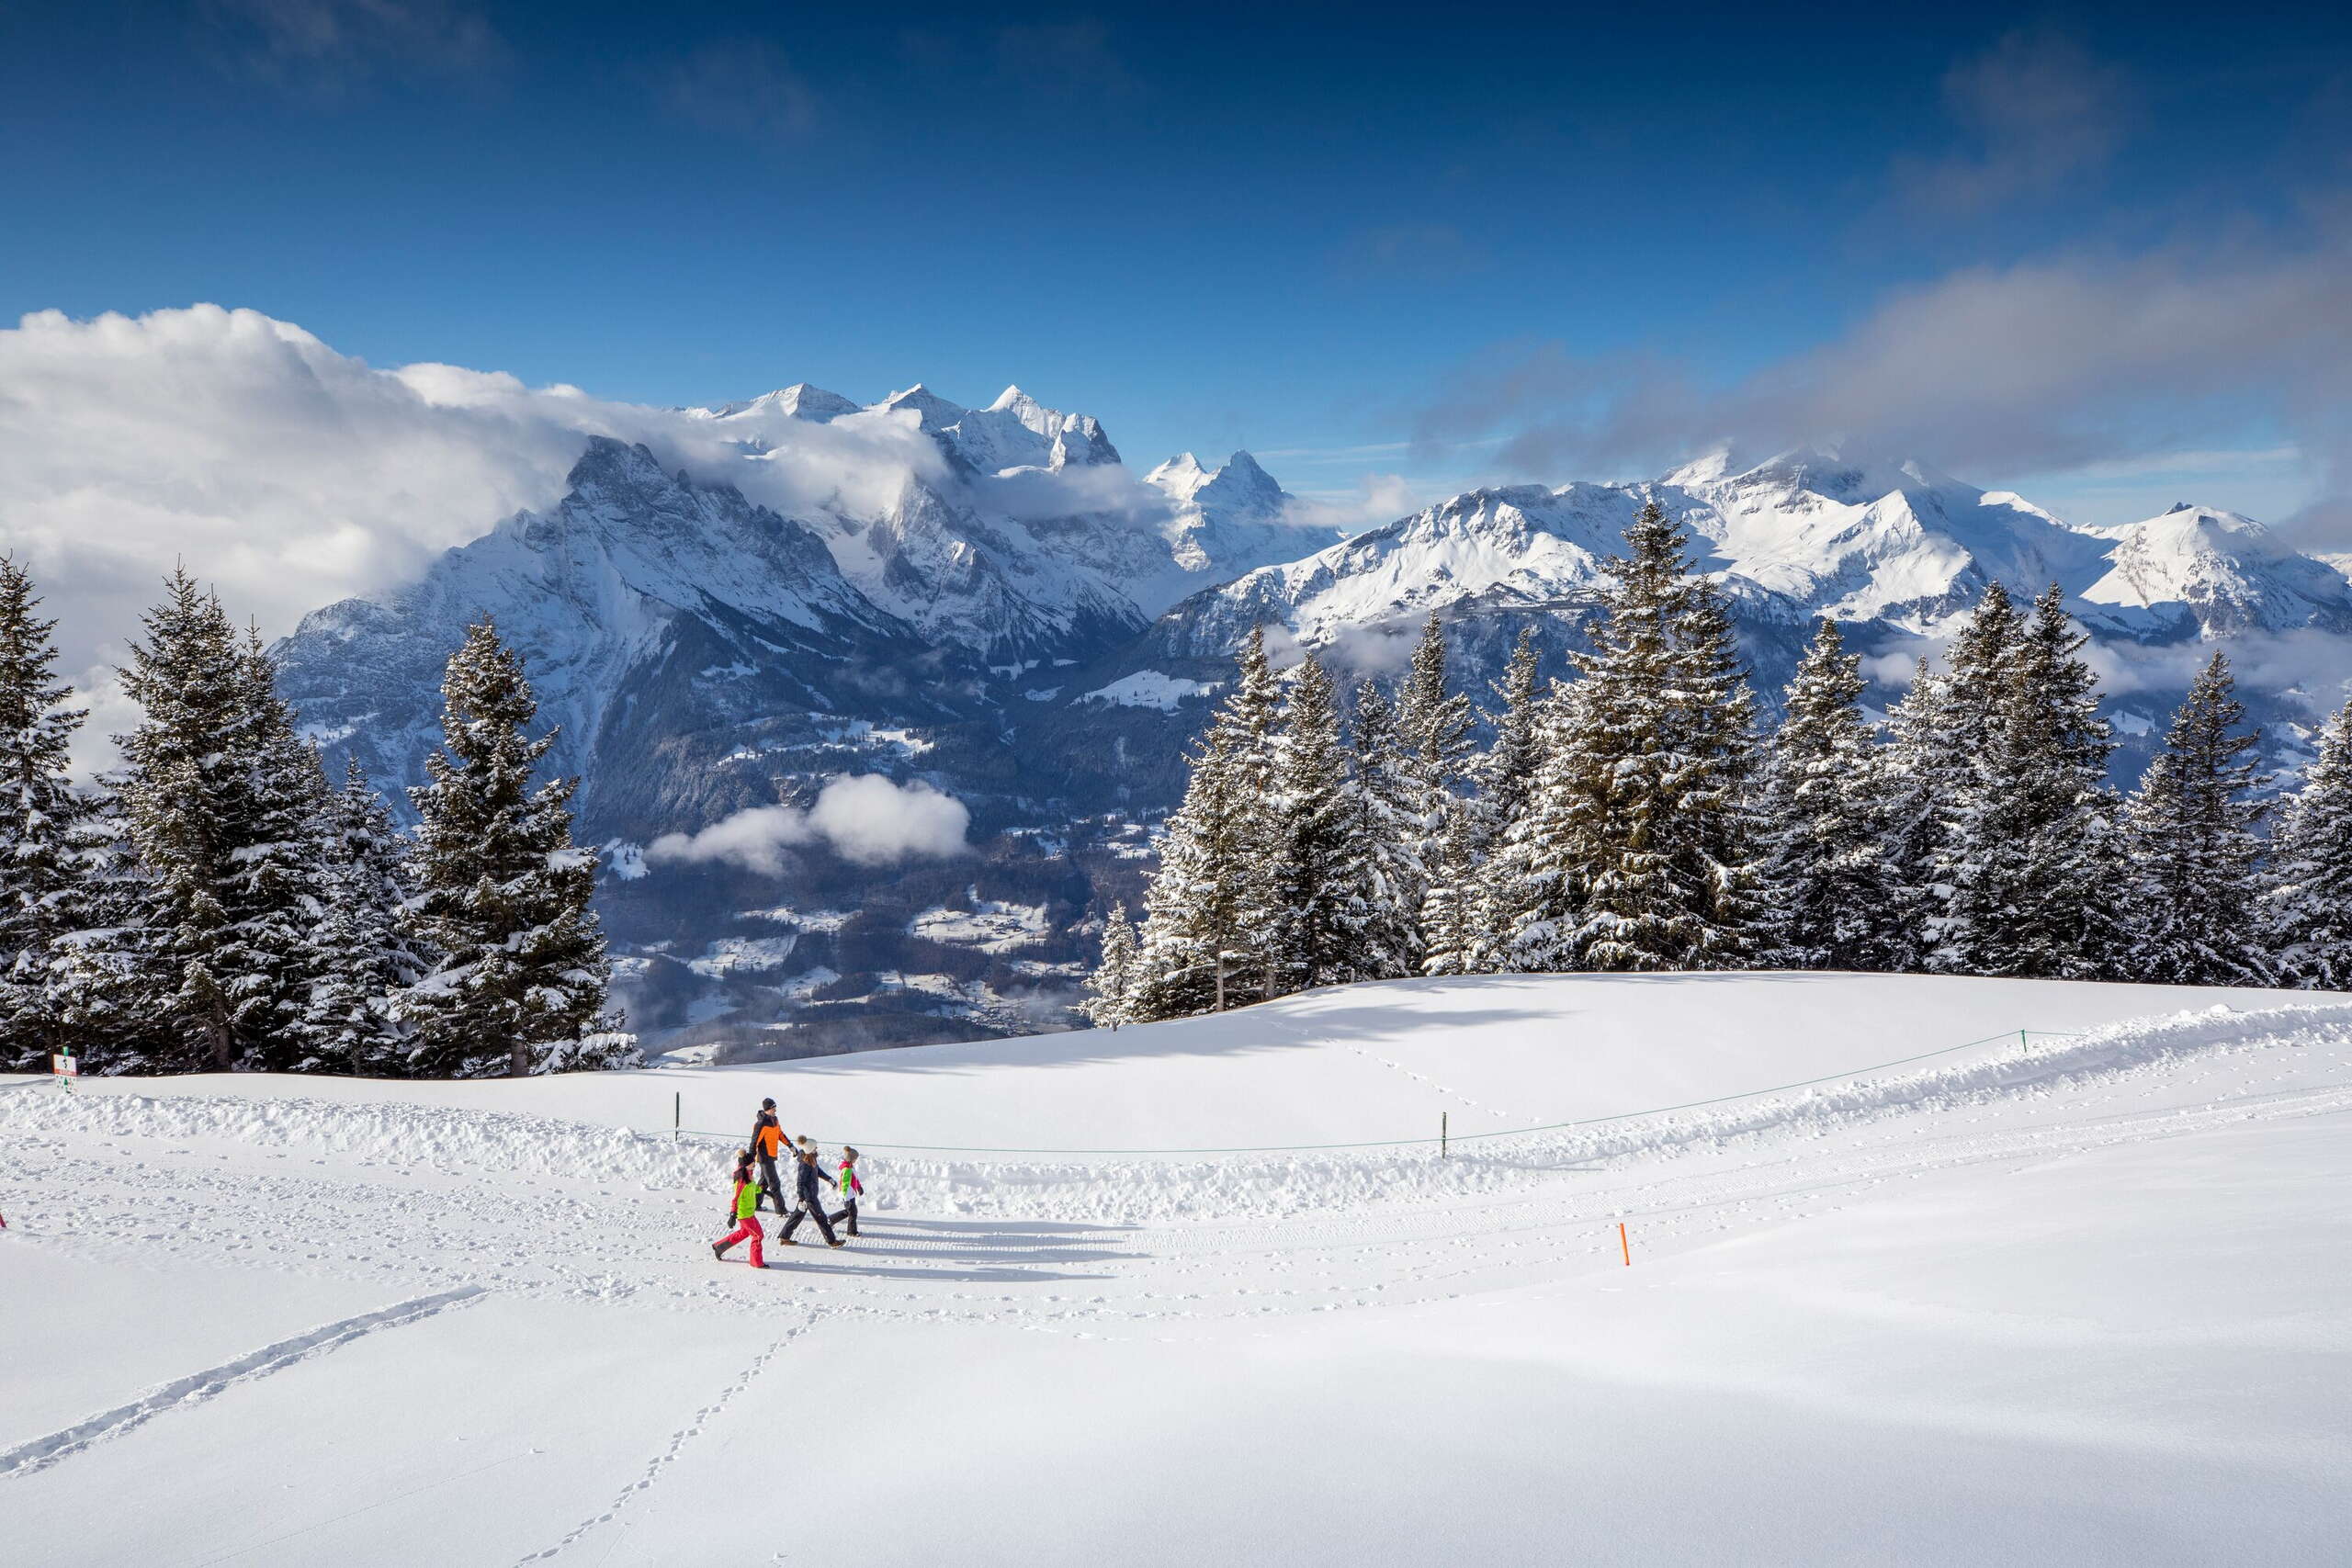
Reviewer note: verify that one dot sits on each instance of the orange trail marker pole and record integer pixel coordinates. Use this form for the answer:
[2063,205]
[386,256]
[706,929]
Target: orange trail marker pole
[1623,1245]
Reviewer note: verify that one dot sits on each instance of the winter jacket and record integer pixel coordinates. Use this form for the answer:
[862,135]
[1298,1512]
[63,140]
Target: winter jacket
[766,1135]
[809,1175]
[747,1199]
[852,1187]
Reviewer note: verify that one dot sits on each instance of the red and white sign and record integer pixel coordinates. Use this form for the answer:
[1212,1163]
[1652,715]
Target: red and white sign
[65,1066]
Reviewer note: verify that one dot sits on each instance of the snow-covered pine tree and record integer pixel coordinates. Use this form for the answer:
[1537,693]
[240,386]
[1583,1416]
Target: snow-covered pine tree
[2193,835]
[1435,727]
[2310,906]
[520,976]
[1452,937]
[360,957]
[1213,917]
[1323,879]
[275,892]
[1661,749]
[1504,779]
[1255,711]
[106,975]
[1396,871]
[220,800]
[2035,863]
[1108,990]
[1839,901]
[1436,724]
[45,889]
[1193,948]
[1926,771]
[1534,884]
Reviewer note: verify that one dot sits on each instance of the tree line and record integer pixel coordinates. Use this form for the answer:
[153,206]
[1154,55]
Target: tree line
[217,903]
[1636,818]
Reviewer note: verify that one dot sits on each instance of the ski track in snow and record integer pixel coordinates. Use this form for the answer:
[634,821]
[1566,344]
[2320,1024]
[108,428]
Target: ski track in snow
[39,1454]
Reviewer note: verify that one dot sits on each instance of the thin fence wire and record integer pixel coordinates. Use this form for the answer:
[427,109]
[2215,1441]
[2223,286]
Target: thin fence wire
[2020,1034]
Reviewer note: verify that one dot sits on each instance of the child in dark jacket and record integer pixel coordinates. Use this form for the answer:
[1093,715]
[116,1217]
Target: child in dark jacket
[807,1173]
[852,1190]
[745,1212]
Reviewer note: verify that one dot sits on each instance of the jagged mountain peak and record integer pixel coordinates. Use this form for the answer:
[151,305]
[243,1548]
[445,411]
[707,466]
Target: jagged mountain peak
[608,463]
[1014,432]
[1241,481]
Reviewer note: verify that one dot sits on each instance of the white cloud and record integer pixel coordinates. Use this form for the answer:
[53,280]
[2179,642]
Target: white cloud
[2039,109]
[2050,365]
[863,818]
[290,476]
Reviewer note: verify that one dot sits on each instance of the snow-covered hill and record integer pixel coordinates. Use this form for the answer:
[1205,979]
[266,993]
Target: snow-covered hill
[1935,1296]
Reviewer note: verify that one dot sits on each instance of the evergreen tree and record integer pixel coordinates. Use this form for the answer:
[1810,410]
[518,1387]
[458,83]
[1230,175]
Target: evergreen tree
[2310,909]
[1322,887]
[108,973]
[274,891]
[1453,933]
[1926,772]
[220,800]
[2194,844]
[1109,1001]
[1395,869]
[45,891]
[1192,946]
[1841,904]
[1213,919]
[1506,780]
[2034,864]
[1436,726]
[360,959]
[1535,889]
[503,895]
[1657,754]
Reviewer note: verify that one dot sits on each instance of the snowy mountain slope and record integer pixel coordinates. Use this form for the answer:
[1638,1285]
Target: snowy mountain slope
[1792,539]
[676,632]
[2015,1303]
[2219,573]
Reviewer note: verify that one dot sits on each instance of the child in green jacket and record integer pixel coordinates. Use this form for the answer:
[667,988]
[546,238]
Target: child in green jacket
[746,1214]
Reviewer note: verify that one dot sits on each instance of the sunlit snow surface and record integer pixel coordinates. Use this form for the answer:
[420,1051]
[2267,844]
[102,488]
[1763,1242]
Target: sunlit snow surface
[2074,1299]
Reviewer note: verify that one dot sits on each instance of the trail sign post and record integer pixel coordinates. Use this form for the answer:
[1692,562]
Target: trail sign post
[66,1069]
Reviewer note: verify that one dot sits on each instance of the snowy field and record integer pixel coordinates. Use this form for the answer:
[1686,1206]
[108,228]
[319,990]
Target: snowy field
[2080,1297]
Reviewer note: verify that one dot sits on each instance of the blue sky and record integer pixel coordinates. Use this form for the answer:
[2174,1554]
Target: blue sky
[1450,242]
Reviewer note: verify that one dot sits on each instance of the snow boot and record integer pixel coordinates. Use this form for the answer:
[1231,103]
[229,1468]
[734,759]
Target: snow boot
[718,1252]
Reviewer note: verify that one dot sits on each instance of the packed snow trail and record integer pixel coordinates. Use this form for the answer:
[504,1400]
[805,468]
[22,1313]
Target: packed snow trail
[2019,1301]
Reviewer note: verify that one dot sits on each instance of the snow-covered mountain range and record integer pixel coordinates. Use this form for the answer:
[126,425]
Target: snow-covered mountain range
[1027,626]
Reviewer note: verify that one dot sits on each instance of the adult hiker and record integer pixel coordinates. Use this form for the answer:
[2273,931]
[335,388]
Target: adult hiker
[807,1173]
[852,1190]
[767,1138]
[745,1212]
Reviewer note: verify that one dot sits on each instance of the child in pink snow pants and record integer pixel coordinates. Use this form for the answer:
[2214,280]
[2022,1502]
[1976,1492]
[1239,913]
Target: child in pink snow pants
[746,1214]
